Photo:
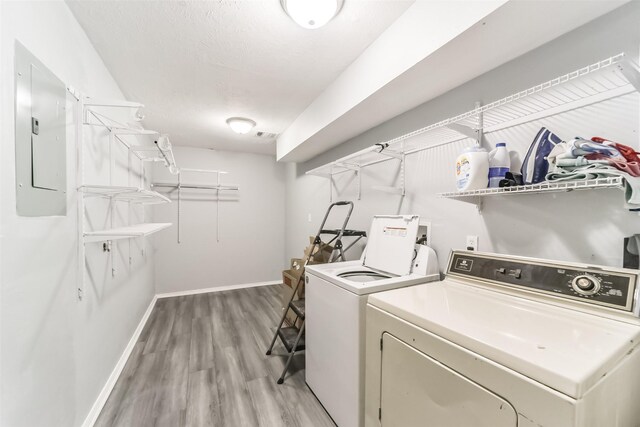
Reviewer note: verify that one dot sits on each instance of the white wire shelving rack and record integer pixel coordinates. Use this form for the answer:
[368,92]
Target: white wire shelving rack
[159,151]
[610,78]
[155,152]
[181,185]
[138,230]
[122,193]
[91,113]
[543,187]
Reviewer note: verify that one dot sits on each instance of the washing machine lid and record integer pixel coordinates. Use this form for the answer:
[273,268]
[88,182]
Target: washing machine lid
[567,350]
[391,242]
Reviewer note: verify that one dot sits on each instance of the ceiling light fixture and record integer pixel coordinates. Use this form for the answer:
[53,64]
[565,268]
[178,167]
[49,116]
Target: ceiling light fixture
[312,14]
[240,125]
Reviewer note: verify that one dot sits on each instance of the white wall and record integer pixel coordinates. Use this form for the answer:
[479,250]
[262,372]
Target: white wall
[581,226]
[57,352]
[251,223]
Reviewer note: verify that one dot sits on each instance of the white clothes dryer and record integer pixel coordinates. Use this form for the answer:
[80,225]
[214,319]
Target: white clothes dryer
[506,341]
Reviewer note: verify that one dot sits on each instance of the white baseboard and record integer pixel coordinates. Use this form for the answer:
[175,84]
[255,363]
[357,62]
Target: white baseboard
[218,289]
[91,418]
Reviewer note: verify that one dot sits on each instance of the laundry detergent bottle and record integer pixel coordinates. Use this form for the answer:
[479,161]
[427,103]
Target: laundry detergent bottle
[499,164]
[472,169]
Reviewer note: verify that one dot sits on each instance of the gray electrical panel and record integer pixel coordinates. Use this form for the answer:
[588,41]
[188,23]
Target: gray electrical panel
[41,141]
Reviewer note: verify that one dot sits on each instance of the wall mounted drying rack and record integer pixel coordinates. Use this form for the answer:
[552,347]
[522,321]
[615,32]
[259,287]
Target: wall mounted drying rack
[180,185]
[610,78]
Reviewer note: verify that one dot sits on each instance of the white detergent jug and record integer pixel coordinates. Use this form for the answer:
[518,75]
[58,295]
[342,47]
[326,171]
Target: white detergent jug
[499,164]
[472,169]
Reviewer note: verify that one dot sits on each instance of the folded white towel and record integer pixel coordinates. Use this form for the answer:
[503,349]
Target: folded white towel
[595,171]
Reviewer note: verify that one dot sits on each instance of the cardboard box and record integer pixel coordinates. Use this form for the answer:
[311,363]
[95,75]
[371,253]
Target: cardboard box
[289,281]
[285,296]
[321,254]
[296,267]
[291,276]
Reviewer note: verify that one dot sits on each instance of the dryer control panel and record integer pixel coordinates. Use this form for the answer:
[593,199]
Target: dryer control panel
[605,286]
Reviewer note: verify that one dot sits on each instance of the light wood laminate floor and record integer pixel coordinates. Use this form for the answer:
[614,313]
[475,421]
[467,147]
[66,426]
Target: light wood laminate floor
[200,361]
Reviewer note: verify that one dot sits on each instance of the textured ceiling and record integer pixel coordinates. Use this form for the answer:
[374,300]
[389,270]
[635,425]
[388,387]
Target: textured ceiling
[196,63]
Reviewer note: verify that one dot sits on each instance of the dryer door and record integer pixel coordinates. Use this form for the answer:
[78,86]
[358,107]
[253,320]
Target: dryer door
[420,391]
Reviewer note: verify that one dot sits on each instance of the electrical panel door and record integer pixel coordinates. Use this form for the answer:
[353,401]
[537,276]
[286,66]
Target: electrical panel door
[40,138]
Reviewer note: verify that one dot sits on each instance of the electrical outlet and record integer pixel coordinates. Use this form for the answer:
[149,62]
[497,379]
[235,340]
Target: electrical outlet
[472,243]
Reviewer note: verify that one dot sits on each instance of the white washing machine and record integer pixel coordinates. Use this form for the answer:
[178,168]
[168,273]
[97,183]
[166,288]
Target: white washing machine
[335,301]
[503,342]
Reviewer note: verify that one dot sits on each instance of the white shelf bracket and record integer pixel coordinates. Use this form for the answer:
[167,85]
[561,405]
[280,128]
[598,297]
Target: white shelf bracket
[402,174]
[74,93]
[480,129]
[347,166]
[392,153]
[465,130]
[321,175]
[631,71]
[355,168]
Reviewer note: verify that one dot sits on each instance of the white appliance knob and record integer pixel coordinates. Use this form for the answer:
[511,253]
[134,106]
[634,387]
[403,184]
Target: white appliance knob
[586,284]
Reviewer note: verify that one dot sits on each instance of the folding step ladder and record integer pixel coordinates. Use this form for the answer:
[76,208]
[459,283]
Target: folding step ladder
[292,337]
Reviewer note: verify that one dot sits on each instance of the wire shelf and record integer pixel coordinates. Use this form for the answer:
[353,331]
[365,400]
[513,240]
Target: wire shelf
[139,230]
[128,194]
[609,78]
[153,153]
[544,187]
[117,103]
[149,153]
[94,118]
[156,153]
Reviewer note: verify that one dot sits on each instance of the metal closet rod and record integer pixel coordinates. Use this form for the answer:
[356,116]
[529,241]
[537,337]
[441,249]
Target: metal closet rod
[199,186]
[202,170]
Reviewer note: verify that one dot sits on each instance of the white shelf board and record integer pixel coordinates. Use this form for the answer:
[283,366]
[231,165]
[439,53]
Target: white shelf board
[128,194]
[153,153]
[606,79]
[543,187]
[139,230]
[149,153]
[99,102]
[134,131]
[112,125]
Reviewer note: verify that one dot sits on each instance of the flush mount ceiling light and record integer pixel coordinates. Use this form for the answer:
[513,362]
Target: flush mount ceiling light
[311,14]
[240,125]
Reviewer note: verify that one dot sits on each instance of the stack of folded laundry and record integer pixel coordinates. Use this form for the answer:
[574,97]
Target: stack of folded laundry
[596,158]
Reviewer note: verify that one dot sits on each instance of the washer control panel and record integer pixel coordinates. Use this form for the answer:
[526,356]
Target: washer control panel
[605,286]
